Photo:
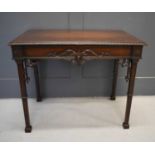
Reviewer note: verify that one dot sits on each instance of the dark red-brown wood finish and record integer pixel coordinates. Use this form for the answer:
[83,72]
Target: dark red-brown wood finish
[76,46]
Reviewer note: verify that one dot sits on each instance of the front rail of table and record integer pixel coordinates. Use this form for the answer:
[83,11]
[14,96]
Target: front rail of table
[29,54]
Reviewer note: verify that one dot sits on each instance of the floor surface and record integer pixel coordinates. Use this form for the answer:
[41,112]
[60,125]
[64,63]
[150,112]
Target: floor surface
[78,119]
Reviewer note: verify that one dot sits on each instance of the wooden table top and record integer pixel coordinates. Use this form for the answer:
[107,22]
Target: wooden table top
[76,37]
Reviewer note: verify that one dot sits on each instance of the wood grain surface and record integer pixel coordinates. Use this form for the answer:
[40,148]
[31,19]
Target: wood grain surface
[76,37]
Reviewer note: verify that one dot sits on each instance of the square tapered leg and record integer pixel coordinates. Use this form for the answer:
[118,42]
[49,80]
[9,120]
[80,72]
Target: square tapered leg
[130,92]
[115,76]
[22,81]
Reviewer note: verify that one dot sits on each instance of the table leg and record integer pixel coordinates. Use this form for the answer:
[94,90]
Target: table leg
[115,76]
[130,92]
[22,81]
[36,74]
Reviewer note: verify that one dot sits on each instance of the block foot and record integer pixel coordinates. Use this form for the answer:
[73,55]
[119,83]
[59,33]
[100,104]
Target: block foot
[39,99]
[28,129]
[125,125]
[112,98]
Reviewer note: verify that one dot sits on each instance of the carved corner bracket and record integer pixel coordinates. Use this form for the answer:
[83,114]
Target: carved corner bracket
[28,63]
[126,63]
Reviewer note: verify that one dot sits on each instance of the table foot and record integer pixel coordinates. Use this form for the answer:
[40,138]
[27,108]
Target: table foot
[28,129]
[125,125]
[39,99]
[112,98]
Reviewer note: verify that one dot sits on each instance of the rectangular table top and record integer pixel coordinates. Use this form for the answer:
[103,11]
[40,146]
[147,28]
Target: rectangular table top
[76,37]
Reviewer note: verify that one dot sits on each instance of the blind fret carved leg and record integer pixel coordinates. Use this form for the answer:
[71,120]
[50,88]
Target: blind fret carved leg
[22,81]
[37,84]
[130,92]
[115,76]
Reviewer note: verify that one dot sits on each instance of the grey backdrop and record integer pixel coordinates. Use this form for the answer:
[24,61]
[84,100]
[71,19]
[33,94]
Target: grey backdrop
[60,78]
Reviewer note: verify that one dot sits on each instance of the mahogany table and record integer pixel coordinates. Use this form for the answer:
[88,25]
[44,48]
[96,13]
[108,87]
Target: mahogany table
[76,46]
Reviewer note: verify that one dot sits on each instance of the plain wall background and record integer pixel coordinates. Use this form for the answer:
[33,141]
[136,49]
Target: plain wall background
[60,78]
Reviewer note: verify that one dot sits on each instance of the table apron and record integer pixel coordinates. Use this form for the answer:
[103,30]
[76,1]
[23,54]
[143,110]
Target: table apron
[69,52]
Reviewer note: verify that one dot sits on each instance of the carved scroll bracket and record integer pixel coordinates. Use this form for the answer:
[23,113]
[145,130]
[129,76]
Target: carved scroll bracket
[28,63]
[27,78]
[78,56]
[126,63]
